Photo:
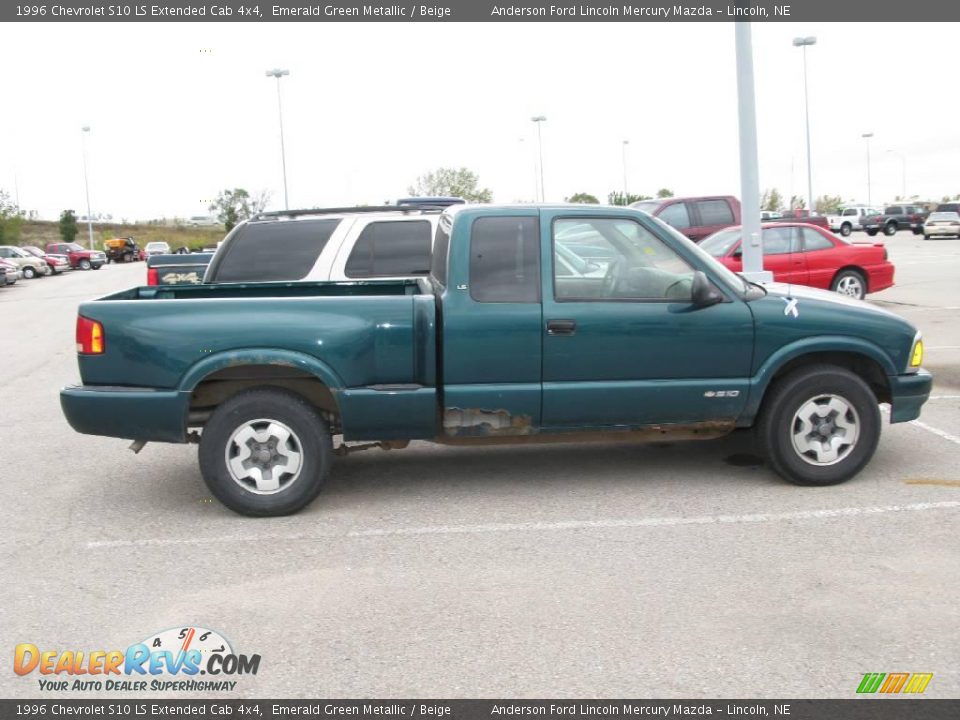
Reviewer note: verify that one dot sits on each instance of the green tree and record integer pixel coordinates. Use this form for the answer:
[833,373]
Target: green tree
[664,193]
[617,198]
[234,206]
[828,204]
[11,218]
[583,198]
[451,182]
[68,226]
[797,203]
[771,200]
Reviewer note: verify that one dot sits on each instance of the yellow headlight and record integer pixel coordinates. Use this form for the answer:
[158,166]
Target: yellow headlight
[917,358]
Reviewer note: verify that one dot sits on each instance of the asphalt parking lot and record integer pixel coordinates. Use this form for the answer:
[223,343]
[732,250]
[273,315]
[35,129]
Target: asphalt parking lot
[683,570]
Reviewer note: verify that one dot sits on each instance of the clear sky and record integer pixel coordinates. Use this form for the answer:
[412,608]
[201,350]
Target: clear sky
[179,111]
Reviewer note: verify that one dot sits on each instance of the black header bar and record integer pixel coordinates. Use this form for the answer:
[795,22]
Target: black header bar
[855,11]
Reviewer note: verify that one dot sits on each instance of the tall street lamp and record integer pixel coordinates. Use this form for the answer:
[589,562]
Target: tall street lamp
[625,195]
[867,136]
[903,172]
[86,185]
[804,42]
[538,119]
[278,73]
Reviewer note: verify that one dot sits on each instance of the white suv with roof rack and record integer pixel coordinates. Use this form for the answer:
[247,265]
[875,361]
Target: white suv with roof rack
[365,243]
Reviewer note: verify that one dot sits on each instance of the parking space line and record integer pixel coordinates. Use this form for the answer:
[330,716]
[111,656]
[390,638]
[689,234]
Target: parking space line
[936,431]
[648,522]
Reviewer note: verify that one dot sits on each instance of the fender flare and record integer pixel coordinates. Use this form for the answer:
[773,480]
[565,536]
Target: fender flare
[760,382]
[260,356]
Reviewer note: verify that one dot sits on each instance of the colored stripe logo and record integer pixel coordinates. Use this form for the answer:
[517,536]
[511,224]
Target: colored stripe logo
[894,683]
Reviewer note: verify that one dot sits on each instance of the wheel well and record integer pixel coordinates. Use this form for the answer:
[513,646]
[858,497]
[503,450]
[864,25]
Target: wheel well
[858,270]
[867,369]
[223,384]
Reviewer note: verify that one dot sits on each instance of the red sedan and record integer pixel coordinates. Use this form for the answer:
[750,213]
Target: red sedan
[807,255]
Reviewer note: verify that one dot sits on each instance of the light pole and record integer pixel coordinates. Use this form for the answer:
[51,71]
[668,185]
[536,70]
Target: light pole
[86,185]
[625,194]
[539,119]
[749,167]
[278,73]
[867,137]
[903,173]
[804,42]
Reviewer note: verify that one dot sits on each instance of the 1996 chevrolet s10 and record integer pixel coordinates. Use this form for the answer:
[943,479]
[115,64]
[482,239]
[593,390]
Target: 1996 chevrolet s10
[536,323]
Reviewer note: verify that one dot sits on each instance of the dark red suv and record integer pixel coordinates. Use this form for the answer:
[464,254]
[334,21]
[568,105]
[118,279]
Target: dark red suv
[695,217]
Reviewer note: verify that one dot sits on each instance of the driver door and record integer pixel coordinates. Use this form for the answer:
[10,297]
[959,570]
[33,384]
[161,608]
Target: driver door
[623,345]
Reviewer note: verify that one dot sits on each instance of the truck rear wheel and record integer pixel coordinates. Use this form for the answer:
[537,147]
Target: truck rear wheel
[819,425]
[846,229]
[265,452]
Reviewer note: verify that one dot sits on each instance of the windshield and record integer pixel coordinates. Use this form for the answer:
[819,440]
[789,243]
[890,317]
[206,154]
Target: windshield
[726,274]
[73,247]
[157,246]
[720,243]
[36,252]
[944,216]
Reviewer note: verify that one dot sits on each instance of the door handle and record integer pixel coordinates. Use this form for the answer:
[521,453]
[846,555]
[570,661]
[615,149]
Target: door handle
[561,327]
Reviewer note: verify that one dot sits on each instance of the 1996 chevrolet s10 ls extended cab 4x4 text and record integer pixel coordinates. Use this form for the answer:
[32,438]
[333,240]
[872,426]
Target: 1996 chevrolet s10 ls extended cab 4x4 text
[537,323]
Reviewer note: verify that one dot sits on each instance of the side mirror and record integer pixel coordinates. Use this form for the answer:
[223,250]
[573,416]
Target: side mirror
[702,292]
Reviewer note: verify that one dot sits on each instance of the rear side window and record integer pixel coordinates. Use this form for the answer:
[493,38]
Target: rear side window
[505,260]
[812,240]
[676,215]
[441,248]
[284,250]
[715,212]
[387,248]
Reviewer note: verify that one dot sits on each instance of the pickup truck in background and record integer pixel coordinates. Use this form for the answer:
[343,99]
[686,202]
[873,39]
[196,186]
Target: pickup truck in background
[79,257]
[499,344]
[896,217]
[848,219]
[177,268]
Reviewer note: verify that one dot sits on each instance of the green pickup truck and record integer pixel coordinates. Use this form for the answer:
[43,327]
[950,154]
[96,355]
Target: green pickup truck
[536,324]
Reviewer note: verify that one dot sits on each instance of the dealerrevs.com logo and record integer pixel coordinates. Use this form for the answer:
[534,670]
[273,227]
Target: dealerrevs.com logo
[177,659]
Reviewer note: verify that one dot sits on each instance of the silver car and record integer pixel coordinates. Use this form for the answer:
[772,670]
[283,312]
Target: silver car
[940,224]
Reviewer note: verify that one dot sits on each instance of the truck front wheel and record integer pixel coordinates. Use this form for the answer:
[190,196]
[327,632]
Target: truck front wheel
[265,452]
[819,425]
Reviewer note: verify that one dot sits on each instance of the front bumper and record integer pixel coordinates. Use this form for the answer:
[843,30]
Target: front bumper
[908,393]
[126,412]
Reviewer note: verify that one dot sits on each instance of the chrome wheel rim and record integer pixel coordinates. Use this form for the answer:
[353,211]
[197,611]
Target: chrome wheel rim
[851,286]
[264,456]
[825,430]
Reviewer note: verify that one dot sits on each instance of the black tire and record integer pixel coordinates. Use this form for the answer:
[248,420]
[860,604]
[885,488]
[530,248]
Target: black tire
[890,229]
[96,267]
[848,279]
[777,425]
[127,257]
[926,237]
[29,273]
[85,264]
[309,436]
[846,229]
[872,233]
